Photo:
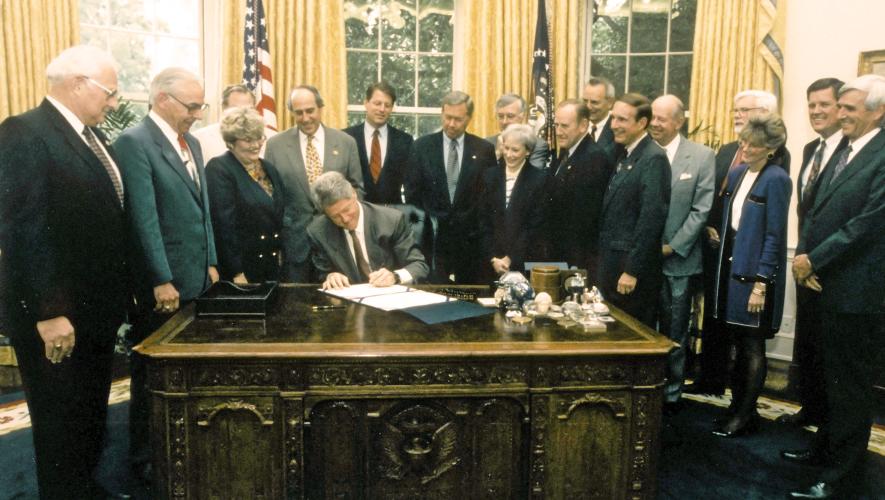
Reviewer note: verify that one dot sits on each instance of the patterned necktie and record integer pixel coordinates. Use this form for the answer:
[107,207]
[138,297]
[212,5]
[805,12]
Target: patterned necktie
[375,161]
[593,133]
[314,168]
[815,170]
[188,162]
[361,264]
[105,162]
[452,169]
[840,166]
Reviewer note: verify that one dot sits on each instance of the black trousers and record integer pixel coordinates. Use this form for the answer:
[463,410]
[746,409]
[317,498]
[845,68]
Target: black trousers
[144,324]
[853,356]
[713,359]
[68,405]
[807,355]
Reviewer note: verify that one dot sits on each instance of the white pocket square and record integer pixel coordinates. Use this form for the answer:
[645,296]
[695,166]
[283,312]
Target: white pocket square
[684,176]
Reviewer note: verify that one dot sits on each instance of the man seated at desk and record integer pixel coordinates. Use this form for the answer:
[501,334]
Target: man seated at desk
[350,230]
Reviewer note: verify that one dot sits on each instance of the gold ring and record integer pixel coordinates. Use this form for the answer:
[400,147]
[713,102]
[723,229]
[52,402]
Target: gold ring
[57,346]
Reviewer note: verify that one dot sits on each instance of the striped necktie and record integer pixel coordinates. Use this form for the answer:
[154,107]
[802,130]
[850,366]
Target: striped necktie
[105,162]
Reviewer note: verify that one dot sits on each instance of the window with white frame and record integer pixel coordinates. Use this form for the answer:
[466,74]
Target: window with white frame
[643,46]
[408,43]
[144,36]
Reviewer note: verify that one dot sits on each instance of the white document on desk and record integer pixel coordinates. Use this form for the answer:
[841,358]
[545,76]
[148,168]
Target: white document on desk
[389,298]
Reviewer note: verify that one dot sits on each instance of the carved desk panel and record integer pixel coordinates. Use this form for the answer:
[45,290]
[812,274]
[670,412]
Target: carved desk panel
[362,404]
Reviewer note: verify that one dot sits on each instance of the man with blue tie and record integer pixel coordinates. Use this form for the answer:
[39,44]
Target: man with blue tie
[841,254]
[173,242]
[444,179]
[823,113]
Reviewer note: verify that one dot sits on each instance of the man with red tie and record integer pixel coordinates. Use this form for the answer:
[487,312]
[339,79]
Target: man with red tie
[383,148]
[173,242]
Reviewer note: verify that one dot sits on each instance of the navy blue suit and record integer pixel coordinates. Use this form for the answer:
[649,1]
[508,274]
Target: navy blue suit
[388,189]
[63,242]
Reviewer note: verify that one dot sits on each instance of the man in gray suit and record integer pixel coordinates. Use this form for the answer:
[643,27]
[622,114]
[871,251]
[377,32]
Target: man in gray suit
[692,168]
[166,196]
[358,242]
[301,154]
[510,108]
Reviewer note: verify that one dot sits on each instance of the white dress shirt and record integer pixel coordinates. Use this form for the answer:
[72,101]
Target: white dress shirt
[671,148]
[741,196]
[599,127]
[447,145]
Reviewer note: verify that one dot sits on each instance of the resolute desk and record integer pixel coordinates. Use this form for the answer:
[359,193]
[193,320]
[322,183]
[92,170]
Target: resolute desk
[358,403]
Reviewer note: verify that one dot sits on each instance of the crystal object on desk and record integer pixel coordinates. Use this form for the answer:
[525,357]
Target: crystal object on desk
[517,289]
[574,285]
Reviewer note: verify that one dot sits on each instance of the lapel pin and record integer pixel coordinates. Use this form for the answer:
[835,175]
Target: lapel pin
[473,156]
[335,152]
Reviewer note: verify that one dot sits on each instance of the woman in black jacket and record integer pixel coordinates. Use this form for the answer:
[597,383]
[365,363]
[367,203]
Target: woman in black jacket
[246,198]
[512,208]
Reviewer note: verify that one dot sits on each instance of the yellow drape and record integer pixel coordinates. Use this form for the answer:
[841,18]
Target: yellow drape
[498,52]
[730,56]
[306,42]
[32,32]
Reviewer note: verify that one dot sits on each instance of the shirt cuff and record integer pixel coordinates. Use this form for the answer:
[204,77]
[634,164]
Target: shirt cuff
[405,278]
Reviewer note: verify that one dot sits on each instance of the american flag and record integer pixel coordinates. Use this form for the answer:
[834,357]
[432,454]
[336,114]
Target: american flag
[256,66]
[541,110]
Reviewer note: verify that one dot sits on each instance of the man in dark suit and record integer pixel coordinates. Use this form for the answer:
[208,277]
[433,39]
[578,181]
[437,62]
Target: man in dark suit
[634,211]
[173,242]
[599,96]
[823,113]
[383,149]
[714,350]
[444,180]
[691,185]
[63,275]
[511,108]
[301,154]
[360,242]
[841,254]
[577,184]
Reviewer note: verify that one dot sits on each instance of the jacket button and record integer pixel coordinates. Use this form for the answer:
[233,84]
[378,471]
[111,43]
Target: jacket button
[262,236]
[260,256]
[275,235]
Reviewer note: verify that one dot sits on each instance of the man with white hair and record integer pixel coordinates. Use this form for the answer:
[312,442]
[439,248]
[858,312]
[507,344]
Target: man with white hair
[841,254]
[63,275]
[511,108]
[168,206]
[747,104]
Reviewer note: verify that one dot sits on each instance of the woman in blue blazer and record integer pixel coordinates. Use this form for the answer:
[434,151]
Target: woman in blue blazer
[751,271]
[511,208]
[246,199]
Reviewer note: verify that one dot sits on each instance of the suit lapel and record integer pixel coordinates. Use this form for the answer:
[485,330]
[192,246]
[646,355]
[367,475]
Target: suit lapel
[167,151]
[299,170]
[340,251]
[852,168]
[466,172]
[438,168]
[75,143]
[618,179]
[681,161]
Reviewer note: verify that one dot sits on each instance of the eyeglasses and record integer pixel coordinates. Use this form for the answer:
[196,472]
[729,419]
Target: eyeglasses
[191,108]
[108,92]
[744,111]
[250,142]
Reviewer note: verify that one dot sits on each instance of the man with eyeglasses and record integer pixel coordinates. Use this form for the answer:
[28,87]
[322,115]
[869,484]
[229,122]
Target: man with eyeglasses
[63,274]
[713,359]
[168,206]
[511,108]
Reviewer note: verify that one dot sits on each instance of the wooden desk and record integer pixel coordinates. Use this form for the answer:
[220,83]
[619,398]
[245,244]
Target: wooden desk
[358,403]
